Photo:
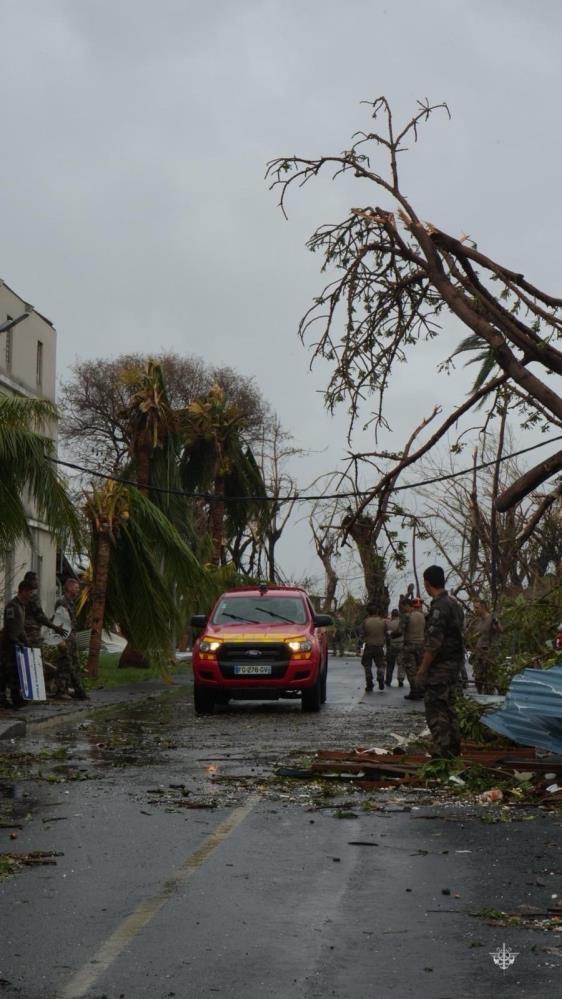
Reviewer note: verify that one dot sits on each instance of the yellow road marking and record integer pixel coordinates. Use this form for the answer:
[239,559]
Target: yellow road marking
[110,950]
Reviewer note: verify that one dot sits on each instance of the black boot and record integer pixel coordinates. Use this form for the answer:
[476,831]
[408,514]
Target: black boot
[381,683]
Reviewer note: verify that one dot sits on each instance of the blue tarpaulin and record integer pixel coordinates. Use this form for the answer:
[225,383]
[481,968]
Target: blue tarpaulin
[531,714]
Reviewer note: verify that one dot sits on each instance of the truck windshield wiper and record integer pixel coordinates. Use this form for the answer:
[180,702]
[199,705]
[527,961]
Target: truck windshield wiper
[289,620]
[236,617]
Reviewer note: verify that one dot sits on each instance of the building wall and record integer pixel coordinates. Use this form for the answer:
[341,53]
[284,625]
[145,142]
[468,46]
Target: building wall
[28,368]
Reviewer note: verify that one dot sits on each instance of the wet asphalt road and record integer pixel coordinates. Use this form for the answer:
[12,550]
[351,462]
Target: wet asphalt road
[257,891]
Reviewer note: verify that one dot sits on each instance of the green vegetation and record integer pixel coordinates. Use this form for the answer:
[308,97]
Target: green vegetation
[470,714]
[26,459]
[529,627]
[110,675]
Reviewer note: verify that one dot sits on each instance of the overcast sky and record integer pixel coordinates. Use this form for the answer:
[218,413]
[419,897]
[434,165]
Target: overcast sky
[135,136]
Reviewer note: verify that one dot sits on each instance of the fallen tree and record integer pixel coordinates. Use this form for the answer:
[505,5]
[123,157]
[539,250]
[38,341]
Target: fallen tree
[396,277]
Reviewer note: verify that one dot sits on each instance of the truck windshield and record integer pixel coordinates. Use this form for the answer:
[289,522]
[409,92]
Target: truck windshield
[278,610]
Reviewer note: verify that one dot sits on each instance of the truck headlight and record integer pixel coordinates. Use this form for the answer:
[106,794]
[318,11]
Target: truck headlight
[208,645]
[300,645]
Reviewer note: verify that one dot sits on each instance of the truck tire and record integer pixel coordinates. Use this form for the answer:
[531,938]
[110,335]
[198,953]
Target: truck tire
[324,684]
[203,700]
[311,698]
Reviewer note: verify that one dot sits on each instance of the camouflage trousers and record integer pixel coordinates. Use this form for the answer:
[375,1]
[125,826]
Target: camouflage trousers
[410,657]
[373,654]
[440,695]
[68,672]
[482,668]
[9,678]
[393,658]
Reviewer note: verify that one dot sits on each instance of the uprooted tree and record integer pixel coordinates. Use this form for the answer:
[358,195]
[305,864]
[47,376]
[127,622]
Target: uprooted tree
[395,278]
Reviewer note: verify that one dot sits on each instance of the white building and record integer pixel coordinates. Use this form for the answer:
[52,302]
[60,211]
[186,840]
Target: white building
[28,368]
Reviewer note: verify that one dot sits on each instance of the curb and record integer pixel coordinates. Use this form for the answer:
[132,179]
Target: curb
[17,728]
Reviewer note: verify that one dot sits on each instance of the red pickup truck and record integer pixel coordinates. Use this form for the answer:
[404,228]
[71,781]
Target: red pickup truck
[260,643]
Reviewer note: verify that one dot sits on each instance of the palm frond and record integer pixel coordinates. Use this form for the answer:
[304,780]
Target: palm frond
[29,474]
[153,575]
[483,355]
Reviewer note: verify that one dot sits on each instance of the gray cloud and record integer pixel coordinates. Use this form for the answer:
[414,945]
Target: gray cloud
[135,136]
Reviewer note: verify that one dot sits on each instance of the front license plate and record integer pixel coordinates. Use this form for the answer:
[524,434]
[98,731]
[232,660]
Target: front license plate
[252,669]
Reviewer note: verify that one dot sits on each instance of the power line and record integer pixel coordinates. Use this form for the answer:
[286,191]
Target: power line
[298,498]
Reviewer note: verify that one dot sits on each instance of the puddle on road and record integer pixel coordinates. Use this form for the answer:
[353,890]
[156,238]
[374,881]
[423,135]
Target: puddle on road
[135,736]
[15,803]
[193,762]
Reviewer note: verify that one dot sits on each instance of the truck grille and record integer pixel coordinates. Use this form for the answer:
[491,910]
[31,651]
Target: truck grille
[274,654]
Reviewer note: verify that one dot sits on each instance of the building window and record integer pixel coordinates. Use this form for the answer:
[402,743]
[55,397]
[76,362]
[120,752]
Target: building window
[39,364]
[9,346]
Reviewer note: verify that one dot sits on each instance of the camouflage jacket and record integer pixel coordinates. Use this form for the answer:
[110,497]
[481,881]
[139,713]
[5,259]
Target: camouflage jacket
[444,630]
[374,630]
[14,624]
[35,620]
[70,609]
[414,632]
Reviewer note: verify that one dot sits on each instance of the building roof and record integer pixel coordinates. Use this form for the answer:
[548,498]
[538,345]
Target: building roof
[27,305]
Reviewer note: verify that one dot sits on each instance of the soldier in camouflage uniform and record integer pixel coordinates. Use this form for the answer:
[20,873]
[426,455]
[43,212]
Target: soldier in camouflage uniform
[412,651]
[485,630]
[441,664]
[35,617]
[374,634]
[68,664]
[394,646]
[13,634]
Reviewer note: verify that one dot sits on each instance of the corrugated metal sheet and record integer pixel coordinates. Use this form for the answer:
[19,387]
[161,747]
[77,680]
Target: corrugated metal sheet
[531,714]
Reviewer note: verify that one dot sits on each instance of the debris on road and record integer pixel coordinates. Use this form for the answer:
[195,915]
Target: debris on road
[513,775]
[526,916]
[11,862]
[494,794]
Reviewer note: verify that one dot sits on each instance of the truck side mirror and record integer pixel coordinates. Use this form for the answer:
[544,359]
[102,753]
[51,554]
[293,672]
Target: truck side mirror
[323,620]
[198,620]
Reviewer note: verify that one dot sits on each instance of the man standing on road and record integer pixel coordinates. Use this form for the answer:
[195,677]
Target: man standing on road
[414,633]
[394,646]
[441,664]
[374,634]
[13,635]
[68,664]
[485,629]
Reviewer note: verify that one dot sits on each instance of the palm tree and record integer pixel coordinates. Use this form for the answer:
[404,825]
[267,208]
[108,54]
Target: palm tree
[107,510]
[143,572]
[151,421]
[215,460]
[150,429]
[28,473]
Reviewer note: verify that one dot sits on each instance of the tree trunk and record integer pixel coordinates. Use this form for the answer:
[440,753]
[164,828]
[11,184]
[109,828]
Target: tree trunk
[142,452]
[131,656]
[217,519]
[374,569]
[415,561]
[99,592]
[528,482]
[494,515]
[331,586]
[272,539]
